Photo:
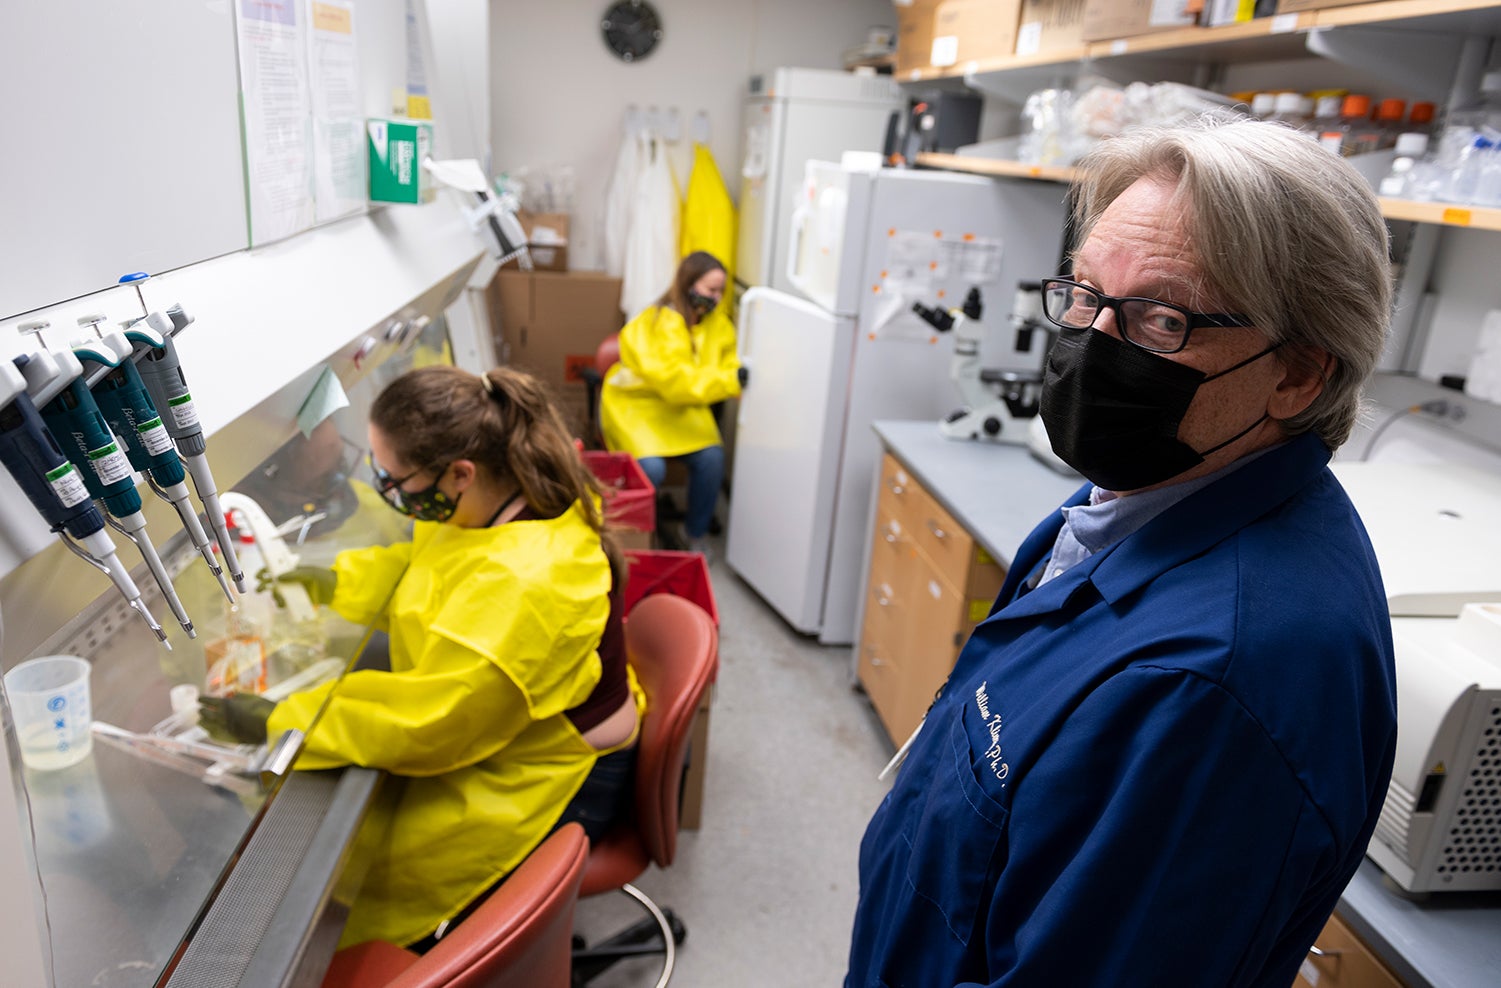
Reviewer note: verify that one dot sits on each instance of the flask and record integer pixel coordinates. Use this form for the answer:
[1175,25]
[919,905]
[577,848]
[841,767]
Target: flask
[236,660]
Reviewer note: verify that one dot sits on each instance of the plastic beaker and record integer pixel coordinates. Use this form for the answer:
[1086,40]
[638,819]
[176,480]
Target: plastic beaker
[49,698]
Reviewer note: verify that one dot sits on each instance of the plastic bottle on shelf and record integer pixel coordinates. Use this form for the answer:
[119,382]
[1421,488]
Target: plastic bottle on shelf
[1389,125]
[1288,108]
[1357,135]
[1488,182]
[1326,119]
[1420,119]
[1263,105]
[1465,181]
[1421,180]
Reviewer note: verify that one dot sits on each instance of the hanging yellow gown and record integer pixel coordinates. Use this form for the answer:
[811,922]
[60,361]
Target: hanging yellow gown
[655,401]
[493,635]
[709,214]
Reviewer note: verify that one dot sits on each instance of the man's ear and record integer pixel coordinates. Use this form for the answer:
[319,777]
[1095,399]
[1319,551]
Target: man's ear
[1305,371]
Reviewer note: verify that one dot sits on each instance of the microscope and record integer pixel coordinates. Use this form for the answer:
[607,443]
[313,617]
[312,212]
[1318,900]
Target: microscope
[997,403]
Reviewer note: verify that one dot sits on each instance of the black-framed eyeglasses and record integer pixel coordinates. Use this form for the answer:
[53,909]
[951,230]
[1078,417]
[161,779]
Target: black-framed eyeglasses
[1152,325]
[384,482]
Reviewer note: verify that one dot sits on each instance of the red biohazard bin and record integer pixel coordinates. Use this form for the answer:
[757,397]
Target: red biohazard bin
[683,574]
[630,498]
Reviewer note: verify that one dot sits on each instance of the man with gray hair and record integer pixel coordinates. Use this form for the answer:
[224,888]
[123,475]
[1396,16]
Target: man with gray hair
[1161,757]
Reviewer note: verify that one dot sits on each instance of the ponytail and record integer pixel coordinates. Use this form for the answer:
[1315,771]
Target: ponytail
[505,422]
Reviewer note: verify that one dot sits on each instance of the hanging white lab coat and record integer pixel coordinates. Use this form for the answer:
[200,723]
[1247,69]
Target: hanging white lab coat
[628,163]
[651,254]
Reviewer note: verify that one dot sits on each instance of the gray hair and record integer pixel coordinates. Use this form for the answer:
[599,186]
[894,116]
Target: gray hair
[1282,231]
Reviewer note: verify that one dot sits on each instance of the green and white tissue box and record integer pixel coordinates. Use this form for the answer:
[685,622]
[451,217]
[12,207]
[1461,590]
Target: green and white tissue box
[397,150]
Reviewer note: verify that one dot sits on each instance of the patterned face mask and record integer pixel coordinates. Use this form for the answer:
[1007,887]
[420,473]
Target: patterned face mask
[428,504]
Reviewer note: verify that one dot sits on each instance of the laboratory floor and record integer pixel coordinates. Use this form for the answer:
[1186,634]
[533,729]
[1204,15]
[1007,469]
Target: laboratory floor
[767,886]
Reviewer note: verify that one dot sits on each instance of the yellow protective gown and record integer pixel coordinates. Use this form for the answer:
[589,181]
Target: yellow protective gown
[493,636]
[655,401]
[709,213]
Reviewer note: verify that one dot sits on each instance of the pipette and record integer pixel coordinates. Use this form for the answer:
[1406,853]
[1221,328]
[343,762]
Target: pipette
[53,485]
[57,387]
[117,387]
[156,359]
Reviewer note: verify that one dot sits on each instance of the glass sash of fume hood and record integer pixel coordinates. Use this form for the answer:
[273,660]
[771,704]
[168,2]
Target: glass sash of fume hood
[134,843]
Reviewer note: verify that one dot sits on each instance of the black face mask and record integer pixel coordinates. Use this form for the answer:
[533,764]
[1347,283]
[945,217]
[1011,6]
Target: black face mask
[1112,410]
[701,305]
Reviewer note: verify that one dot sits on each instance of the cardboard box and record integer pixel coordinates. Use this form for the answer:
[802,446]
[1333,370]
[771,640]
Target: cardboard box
[967,30]
[1106,20]
[1049,25]
[914,35]
[546,239]
[549,324]
[1298,6]
[397,149]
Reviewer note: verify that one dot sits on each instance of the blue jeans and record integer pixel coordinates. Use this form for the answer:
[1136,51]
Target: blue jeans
[705,474]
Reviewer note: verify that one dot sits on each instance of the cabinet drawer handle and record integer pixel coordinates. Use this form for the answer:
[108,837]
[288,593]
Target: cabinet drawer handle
[875,662]
[884,594]
[896,488]
[938,533]
[1316,951]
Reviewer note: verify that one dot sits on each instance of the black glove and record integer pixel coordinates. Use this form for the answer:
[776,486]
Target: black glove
[318,581]
[240,716]
[744,374]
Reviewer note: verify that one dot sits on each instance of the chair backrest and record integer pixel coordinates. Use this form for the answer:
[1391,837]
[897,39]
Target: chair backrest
[607,355]
[673,645]
[522,934]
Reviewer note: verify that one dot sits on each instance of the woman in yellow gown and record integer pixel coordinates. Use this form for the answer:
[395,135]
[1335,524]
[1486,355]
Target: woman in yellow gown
[508,708]
[677,358]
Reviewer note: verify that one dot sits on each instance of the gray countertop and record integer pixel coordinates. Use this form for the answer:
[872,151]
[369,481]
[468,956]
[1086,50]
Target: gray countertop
[998,494]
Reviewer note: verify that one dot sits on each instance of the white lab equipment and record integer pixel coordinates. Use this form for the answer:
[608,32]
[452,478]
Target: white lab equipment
[274,554]
[865,246]
[997,404]
[492,218]
[1440,828]
[1434,530]
[793,116]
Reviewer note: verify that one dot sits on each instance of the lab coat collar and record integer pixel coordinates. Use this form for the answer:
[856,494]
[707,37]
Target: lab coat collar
[1184,530]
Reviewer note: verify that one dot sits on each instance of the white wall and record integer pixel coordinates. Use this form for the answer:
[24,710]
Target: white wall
[558,95]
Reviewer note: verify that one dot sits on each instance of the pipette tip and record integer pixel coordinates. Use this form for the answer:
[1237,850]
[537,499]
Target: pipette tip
[188,627]
[156,629]
[239,579]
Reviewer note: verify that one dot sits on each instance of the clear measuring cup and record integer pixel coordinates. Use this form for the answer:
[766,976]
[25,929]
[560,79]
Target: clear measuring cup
[49,699]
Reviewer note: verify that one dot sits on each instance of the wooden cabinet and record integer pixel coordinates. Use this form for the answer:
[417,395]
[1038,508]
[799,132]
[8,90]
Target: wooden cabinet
[929,584]
[1340,960]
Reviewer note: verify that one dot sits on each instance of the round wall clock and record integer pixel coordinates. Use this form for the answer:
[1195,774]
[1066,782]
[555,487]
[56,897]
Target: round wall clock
[632,29]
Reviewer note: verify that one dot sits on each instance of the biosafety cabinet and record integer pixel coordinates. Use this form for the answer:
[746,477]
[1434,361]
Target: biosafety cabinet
[158,859]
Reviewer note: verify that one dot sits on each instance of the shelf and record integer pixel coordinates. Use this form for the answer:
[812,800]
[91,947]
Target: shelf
[997,167]
[1264,39]
[1443,213]
[1283,36]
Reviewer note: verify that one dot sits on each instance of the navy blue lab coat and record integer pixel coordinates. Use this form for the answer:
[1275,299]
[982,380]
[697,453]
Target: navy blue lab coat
[1161,767]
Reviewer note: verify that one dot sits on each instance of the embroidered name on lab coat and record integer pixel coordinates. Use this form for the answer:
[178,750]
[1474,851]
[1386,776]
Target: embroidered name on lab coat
[992,722]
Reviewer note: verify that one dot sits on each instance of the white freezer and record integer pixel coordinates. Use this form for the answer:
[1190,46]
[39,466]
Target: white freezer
[793,116]
[825,367]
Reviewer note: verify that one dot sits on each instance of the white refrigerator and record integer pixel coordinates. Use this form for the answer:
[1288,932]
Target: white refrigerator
[847,349]
[793,116]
